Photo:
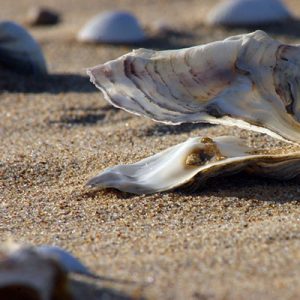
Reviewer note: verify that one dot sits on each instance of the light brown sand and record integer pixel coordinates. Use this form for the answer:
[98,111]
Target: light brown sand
[238,238]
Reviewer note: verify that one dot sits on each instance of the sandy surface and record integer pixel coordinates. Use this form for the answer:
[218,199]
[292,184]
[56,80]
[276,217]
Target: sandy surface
[238,238]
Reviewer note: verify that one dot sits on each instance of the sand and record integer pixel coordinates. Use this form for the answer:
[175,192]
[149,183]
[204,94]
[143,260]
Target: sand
[237,238]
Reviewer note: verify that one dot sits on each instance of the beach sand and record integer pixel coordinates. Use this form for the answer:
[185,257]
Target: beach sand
[237,238]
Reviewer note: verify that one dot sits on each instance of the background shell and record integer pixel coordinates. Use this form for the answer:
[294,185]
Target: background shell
[248,12]
[112,27]
[68,261]
[19,50]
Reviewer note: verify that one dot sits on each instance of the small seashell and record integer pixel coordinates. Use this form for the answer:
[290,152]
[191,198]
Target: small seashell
[65,259]
[248,13]
[193,162]
[42,16]
[112,27]
[19,51]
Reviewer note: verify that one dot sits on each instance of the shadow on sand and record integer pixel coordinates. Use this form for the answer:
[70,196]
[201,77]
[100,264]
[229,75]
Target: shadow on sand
[52,83]
[289,28]
[244,186]
[83,289]
[162,129]
[240,186]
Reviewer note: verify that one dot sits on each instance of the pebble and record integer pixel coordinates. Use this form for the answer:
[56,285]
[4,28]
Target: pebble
[40,16]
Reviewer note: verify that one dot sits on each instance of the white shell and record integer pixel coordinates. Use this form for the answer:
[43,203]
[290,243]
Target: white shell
[112,27]
[19,51]
[194,161]
[248,12]
[254,84]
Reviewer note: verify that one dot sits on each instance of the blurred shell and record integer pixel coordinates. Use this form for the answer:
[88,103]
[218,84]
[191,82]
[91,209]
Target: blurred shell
[70,263]
[112,27]
[19,51]
[248,12]
[42,16]
[193,162]
[24,274]
[254,84]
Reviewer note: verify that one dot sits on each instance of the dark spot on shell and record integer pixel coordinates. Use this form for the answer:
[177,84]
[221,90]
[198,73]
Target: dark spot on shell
[214,110]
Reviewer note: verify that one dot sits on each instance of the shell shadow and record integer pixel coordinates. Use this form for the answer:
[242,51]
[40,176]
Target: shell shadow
[170,39]
[241,186]
[161,129]
[244,186]
[53,83]
[89,116]
[82,289]
[289,28]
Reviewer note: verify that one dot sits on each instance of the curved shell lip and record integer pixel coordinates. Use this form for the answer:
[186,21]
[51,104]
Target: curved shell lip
[249,13]
[112,27]
[226,120]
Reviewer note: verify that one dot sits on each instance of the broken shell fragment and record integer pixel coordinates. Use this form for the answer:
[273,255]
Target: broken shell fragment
[19,51]
[114,27]
[254,84]
[248,13]
[193,162]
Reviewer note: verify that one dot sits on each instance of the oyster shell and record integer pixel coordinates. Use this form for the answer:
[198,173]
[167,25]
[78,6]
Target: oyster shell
[250,80]
[248,13]
[112,27]
[254,84]
[19,51]
[193,162]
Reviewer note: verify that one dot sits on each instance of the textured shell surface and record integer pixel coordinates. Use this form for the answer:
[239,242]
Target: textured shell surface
[248,12]
[112,27]
[254,84]
[19,50]
[193,162]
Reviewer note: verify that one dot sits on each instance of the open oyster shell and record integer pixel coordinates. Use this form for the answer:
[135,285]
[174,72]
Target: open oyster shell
[193,162]
[250,80]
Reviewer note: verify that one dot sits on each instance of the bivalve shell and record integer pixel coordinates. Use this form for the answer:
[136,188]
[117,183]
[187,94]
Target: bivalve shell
[114,27]
[248,13]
